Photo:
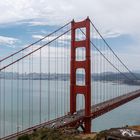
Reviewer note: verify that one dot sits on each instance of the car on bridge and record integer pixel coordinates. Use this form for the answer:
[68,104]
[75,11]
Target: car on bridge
[53,125]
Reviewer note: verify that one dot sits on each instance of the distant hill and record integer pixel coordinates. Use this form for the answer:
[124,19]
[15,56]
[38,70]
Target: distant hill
[126,78]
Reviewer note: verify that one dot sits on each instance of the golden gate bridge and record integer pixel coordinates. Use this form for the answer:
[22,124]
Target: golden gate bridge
[66,78]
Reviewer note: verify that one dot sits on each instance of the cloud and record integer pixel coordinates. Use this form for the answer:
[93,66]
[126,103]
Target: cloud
[110,34]
[112,18]
[8,40]
[37,23]
[118,16]
[108,14]
[81,36]
[63,38]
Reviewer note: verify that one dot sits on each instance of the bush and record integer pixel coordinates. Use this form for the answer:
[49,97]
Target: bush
[25,137]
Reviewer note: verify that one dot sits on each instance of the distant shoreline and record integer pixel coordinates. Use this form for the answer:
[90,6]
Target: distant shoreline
[102,77]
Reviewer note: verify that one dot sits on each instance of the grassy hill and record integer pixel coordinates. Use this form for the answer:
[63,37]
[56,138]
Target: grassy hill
[51,134]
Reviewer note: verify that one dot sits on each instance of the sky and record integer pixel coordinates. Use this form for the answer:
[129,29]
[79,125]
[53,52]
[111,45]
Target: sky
[118,21]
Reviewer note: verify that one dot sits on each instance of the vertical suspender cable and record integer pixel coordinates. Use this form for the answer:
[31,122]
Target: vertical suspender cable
[61,101]
[32,88]
[29,76]
[56,77]
[12,99]
[104,83]
[98,74]
[46,62]
[101,73]
[40,94]
[62,105]
[0,102]
[49,82]
[67,73]
[17,97]
[22,98]
[57,60]
[4,107]
[64,74]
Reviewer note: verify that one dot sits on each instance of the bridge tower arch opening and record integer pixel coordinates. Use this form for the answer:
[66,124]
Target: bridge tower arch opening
[83,64]
[80,102]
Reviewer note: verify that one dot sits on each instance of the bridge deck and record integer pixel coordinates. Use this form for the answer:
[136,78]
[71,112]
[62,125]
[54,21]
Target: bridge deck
[97,110]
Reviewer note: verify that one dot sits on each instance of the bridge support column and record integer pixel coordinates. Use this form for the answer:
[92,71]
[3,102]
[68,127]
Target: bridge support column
[85,64]
[87,124]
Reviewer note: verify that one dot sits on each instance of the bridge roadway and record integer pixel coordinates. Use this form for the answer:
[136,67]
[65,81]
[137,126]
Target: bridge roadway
[97,110]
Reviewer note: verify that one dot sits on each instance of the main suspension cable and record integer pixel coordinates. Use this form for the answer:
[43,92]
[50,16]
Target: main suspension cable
[35,42]
[114,52]
[107,59]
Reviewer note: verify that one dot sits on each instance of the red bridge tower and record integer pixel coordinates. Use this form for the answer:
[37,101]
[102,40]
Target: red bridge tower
[85,64]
